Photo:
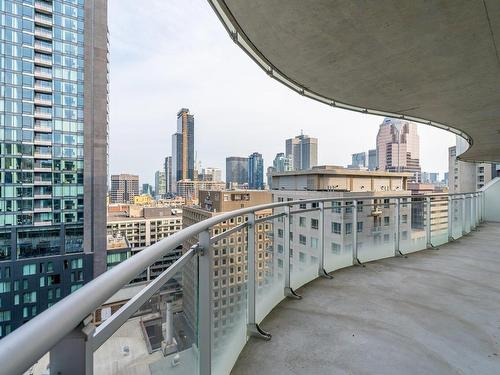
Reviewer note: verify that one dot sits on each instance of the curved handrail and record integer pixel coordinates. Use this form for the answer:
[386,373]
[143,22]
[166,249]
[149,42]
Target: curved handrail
[43,332]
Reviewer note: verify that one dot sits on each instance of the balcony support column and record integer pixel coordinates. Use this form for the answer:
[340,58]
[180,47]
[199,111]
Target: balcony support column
[253,328]
[74,354]
[450,218]
[321,228]
[397,242]
[355,259]
[288,291]
[473,212]
[205,284]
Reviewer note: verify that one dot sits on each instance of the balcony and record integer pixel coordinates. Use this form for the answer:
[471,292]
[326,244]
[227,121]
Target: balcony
[43,34]
[42,115]
[39,155]
[43,209]
[43,61]
[42,128]
[41,47]
[42,19]
[43,102]
[43,6]
[41,73]
[43,88]
[415,296]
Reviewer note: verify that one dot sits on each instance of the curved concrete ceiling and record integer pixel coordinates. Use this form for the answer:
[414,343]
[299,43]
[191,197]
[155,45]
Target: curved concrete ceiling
[434,61]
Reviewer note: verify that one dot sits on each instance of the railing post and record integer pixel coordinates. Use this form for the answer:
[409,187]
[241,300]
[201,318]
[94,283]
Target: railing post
[450,218]
[289,292]
[75,353]
[253,328]
[355,259]
[205,303]
[428,232]
[397,243]
[321,228]
[464,216]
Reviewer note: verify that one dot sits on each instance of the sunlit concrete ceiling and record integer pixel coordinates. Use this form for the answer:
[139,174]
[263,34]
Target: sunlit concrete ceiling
[434,61]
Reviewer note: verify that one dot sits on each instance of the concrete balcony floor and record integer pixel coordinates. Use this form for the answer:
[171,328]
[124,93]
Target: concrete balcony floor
[436,312]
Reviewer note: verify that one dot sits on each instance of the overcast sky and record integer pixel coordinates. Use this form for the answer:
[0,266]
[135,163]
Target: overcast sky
[170,54]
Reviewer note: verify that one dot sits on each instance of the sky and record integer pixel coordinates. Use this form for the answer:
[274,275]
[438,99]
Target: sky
[167,55]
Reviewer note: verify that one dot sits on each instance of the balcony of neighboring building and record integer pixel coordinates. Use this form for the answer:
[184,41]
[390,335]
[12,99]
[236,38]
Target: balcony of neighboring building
[43,19]
[43,7]
[43,33]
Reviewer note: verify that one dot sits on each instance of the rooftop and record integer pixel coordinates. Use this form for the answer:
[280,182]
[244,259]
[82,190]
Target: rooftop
[338,170]
[435,312]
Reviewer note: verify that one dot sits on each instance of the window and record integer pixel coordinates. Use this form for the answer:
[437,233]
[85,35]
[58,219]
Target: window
[29,297]
[29,269]
[302,221]
[4,316]
[386,203]
[404,219]
[336,228]
[76,263]
[302,257]
[348,209]
[302,239]
[359,226]
[280,249]
[302,206]
[314,223]
[314,243]
[5,287]
[360,206]
[336,207]
[280,233]
[386,220]
[348,228]
[336,248]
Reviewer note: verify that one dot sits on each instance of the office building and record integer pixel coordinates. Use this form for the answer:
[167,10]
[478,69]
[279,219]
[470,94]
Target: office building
[398,147]
[228,257]
[236,171]
[303,151]
[282,163]
[160,184]
[142,227]
[372,160]
[124,187]
[464,177]
[167,166]
[255,171]
[53,115]
[211,174]
[147,189]
[189,189]
[358,161]
[183,148]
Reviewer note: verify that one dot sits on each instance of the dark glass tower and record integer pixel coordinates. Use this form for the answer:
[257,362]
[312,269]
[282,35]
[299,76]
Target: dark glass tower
[255,171]
[53,139]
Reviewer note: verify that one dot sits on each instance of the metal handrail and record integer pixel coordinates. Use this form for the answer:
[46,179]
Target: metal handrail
[42,333]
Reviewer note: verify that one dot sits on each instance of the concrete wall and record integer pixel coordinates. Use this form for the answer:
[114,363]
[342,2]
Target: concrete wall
[492,200]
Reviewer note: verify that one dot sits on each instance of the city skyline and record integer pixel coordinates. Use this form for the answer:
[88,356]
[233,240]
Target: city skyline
[199,52]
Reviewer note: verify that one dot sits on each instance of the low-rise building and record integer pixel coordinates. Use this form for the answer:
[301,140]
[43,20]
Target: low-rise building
[189,189]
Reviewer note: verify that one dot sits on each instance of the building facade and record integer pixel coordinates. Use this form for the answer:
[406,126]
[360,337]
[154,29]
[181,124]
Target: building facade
[160,184]
[464,177]
[398,147]
[372,160]
[358,160]
[189,190]
[124,187]
[53,115]
[256,171]
[303,151]
[236,171]
[167,166]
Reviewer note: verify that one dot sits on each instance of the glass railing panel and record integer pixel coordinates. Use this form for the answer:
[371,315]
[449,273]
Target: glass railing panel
[338,235]
[229,295]
[304,245]
[412,225]
[467,222]
[377,239]
[457,218]
[269,266]
[160,336]
[439,220]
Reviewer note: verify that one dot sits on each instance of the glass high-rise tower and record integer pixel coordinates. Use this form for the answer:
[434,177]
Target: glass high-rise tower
[53,150]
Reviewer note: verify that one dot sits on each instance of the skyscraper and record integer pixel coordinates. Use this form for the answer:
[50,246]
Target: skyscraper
[183,147]
[358,160]
[236,170]
[168,174]
[160,184]
[124,187]
[282,163]
[372,160]
[54,163]
[398,147]
[255,171]
[303,151]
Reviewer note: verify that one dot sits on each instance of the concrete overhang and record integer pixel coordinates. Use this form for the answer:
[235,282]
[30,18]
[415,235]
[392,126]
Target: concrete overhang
[435,62]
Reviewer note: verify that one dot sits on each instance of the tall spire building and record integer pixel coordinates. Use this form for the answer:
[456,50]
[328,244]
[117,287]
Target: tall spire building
[183,148]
